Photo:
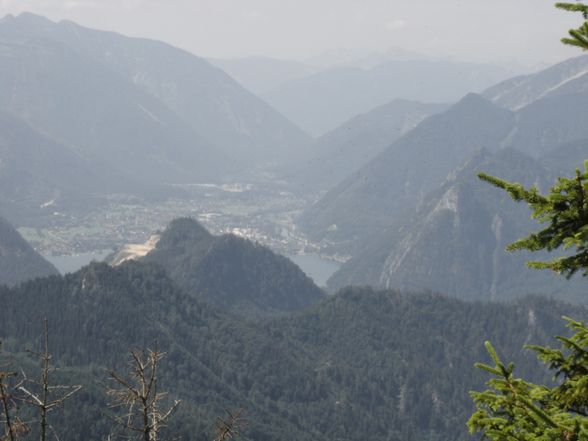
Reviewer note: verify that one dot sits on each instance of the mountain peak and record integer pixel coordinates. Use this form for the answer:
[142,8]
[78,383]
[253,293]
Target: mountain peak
[187,224]
[232,273]
[473,99]
[181,230]
[23,25]
[29,18]
[473,107]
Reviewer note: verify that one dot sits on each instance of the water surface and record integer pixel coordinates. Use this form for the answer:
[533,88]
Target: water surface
[70,263]
[316,267]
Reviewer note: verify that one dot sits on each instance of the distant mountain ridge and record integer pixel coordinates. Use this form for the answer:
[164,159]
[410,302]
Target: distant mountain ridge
[140,112]
[570,76]
[321,102]
[395,182]
[339,153]
[362,57]
[398,179]
[416,217]
[99,114]
[262,74]
[36,171]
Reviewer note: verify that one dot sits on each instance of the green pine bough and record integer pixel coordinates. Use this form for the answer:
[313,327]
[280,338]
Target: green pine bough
[513,409]
[565,210]
[578,37]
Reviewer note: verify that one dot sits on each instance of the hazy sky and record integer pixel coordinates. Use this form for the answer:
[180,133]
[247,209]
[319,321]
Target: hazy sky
[482,30]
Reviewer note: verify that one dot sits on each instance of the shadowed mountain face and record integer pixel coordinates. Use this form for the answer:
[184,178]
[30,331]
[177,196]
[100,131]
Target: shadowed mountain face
[456,242]
[164,114]
[232,273]
[37,172]
[550,122]
[341,152]
[393,184]
[18,261]
[40,175]
[567,157]
[321,102]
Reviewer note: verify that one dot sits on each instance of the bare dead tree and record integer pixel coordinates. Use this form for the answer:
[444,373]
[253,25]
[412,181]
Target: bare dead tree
[7,405]
[5,400]
[138,397]
[231,426]
[42,395]
[13,425]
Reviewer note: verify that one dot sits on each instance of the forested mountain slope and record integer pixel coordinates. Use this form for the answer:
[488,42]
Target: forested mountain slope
[380,365]
[231,273]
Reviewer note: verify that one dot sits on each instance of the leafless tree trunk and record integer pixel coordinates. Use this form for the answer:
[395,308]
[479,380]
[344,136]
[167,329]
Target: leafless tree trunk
[13,426]
[5,399]
[231,426]
[138,395]
[42,400]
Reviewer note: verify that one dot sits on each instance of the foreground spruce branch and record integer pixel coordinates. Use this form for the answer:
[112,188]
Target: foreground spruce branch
[513,409]
[565,209]
[578,37]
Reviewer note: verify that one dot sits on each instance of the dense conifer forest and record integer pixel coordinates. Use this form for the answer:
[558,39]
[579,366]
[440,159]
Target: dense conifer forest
[230,272]
[381,364]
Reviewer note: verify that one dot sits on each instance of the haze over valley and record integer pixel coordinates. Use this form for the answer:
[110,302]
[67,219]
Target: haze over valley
[297,223]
